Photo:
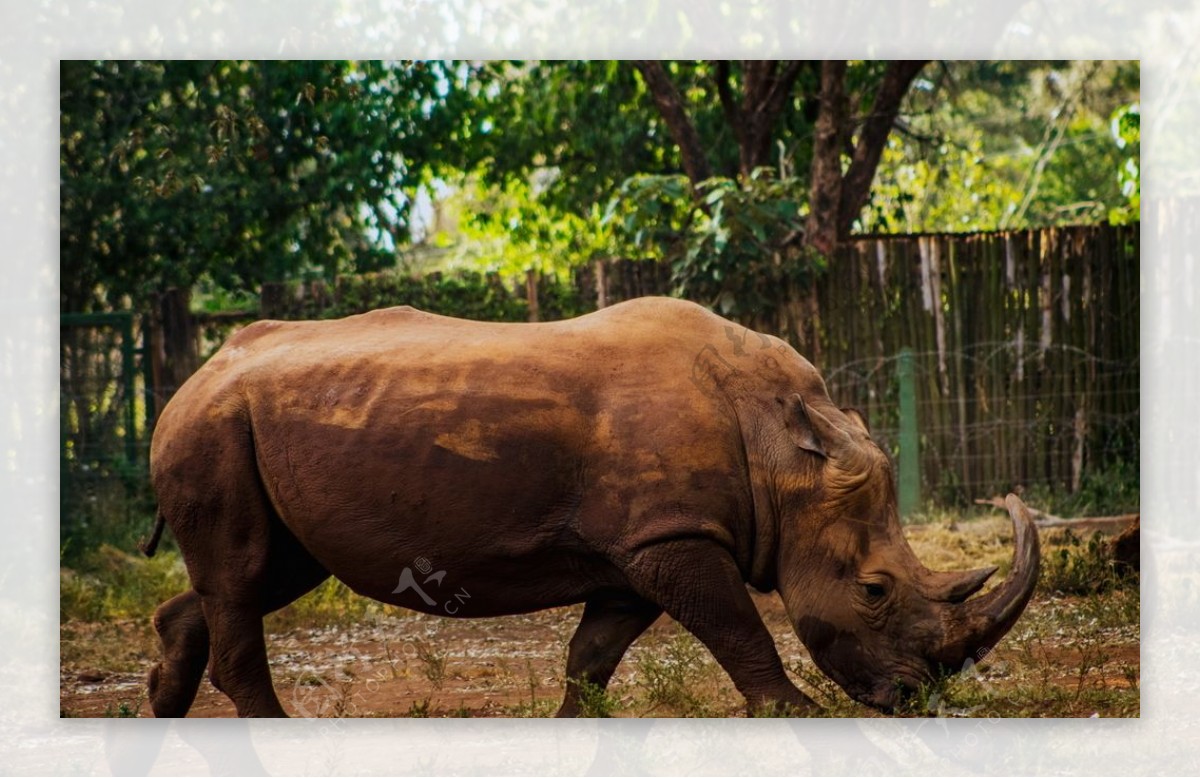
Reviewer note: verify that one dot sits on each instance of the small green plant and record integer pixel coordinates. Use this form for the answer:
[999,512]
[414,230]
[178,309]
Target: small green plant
[420,709]
[123,710]
[594,701]
[1080,567]
[669,677]
[433,663]
[1104,491]
[834,702]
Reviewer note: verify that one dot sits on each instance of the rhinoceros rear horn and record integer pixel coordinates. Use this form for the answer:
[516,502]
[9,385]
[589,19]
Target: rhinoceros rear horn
[973,627]
[955,587]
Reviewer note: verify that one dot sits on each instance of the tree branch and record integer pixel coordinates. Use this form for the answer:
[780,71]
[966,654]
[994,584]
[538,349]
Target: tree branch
[856,184]
[766,90]
[781,88]
[670,106]
[729,106]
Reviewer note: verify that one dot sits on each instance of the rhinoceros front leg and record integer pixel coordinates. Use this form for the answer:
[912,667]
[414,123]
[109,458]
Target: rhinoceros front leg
[698,584]
[608,627]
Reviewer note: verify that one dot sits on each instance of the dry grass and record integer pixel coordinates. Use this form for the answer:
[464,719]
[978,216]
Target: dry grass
[1075,652]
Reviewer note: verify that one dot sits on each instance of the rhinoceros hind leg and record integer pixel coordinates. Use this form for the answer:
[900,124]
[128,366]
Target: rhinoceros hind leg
[608,627]
[184,635]
[239,663]
[239,657]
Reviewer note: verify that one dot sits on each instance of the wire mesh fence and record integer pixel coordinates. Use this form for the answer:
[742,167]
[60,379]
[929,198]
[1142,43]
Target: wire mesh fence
[103,423]
[1012,425]
[1024,348]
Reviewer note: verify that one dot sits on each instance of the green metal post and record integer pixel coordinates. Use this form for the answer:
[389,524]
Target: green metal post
[910,455]
[148,396]
[127,382]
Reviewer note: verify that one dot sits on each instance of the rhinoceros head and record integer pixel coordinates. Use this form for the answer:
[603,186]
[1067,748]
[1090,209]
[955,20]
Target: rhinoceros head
[876,620]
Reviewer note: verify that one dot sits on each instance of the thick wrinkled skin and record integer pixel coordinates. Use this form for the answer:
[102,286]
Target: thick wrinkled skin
[650,457]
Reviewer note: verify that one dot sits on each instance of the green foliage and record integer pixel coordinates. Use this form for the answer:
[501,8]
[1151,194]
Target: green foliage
[595,702]
[731,245]
[510,228]
[1106,490]
[467,295]
[1080,567]
[237,172]
[108,583]
[997,145]
[123,710]
[462,294]
[1127,129]
[331,603]
[590,123]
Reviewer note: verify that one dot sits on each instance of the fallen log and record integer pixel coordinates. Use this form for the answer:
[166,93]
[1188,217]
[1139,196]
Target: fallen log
[1048,521]
[1124,548]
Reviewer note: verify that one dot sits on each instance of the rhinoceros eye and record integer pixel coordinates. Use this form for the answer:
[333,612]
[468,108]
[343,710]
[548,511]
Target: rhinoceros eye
[874,591]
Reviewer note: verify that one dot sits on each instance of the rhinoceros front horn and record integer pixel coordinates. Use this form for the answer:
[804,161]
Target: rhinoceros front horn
[973,627]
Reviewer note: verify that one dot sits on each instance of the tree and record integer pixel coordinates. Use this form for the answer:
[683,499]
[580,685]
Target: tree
[175,174]
[836,196]
[764,203]
[238,172]
[991,145]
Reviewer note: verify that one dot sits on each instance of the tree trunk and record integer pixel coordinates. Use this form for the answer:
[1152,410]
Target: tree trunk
[765,93]
[175,346]
[836,199]
[868,150]
[670,106]
[825,192]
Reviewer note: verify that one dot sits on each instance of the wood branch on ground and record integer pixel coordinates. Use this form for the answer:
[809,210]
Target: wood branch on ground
[1048,521]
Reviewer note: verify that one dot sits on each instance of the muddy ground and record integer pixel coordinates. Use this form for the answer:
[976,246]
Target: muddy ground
[1069,656]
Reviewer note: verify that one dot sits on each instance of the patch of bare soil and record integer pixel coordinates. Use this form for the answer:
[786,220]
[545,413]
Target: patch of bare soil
[412,665]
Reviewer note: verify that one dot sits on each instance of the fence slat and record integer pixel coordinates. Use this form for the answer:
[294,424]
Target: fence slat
[1024,344]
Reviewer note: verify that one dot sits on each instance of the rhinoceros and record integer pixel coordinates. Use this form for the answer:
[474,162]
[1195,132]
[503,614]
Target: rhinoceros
[648,458]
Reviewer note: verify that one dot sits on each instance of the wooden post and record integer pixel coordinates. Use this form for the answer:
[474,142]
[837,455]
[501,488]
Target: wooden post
[180,340]
[531,293]
[601,284]
[910,455]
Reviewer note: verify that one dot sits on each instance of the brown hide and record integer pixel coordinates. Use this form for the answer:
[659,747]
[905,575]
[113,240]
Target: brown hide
[651,456]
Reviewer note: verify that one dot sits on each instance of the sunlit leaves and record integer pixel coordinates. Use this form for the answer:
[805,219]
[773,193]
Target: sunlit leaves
[1013,144]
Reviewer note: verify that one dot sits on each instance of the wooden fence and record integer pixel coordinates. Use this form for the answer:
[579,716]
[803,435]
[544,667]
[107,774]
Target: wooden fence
[1025,345]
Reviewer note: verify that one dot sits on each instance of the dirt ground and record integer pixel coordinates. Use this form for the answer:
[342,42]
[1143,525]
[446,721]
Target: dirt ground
[1069,656]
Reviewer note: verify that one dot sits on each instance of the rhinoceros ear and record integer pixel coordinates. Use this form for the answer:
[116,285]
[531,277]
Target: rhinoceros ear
[799,424]
[856,416]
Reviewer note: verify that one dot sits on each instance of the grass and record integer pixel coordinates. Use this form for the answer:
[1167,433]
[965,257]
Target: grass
[676,677]
[1073,653]
[1073,565]
[110,584]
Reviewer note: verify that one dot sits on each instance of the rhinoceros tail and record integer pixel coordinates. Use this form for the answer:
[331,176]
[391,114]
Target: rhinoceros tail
[148,547]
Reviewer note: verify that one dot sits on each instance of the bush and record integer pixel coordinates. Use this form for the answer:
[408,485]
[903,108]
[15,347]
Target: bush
[110,584]
[1080,567]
